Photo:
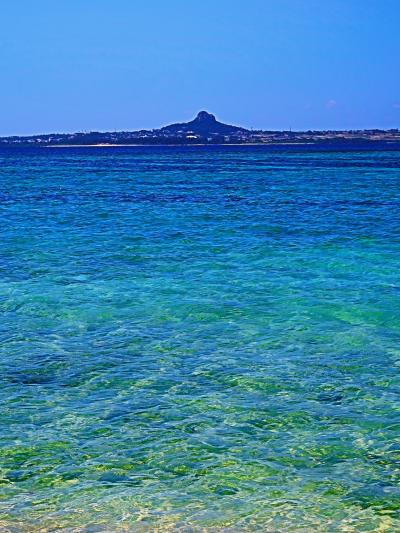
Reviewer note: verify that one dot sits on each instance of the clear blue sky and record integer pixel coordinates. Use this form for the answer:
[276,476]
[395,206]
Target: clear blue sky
[72,65]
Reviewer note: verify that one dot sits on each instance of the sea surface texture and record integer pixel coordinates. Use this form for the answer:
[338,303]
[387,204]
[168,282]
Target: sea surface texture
[199,339]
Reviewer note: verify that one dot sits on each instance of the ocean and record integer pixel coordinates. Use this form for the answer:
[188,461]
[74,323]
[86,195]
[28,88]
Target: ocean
[199,339]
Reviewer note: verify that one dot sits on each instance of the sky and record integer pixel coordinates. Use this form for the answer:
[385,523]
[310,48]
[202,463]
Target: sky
[84,65]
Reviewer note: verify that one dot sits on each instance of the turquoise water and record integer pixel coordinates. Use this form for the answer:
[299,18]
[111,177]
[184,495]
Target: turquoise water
[200,339]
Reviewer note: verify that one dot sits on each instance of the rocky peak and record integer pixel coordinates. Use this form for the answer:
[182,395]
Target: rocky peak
[205,124]
[204,116]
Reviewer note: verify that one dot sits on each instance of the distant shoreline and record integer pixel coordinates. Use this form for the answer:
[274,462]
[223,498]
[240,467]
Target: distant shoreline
[204,130]
[366,144]
[166,145]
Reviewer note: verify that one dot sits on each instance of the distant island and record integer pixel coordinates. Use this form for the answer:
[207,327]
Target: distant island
[205,129]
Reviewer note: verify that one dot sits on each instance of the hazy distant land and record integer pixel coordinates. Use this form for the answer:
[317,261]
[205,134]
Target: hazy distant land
[205,129]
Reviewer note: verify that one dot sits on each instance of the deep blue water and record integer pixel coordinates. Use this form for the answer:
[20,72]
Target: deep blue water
[199,339]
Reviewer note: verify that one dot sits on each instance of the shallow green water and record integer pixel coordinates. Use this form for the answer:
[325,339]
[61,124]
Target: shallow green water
[199,338]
